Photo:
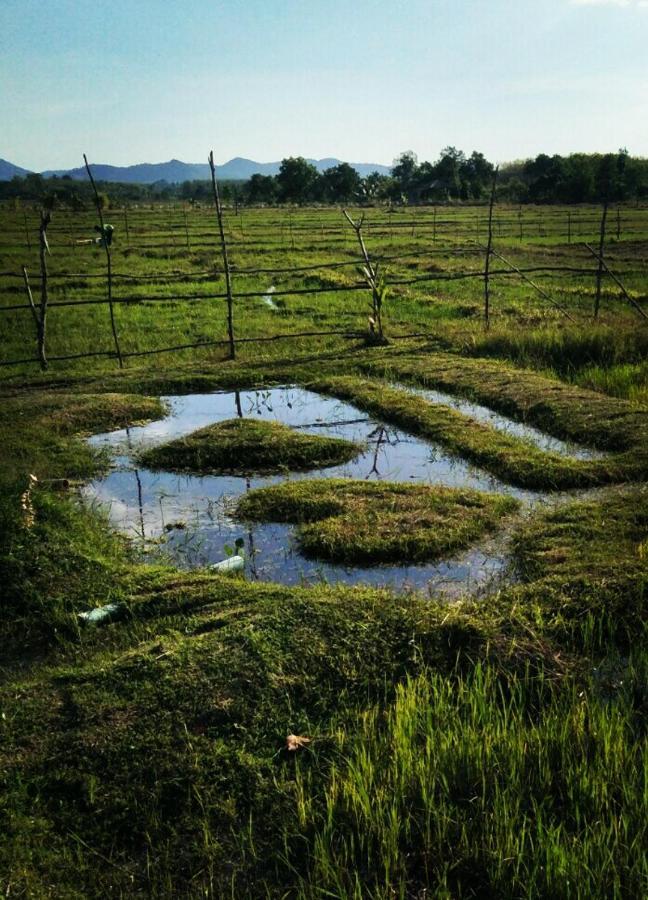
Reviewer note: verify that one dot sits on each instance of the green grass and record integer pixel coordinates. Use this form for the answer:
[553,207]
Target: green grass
[484,787]
[372,522]
[490,747]
[514,460]
[560,409]
[247,445]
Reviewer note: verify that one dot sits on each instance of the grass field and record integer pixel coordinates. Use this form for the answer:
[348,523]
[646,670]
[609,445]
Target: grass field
[493,746]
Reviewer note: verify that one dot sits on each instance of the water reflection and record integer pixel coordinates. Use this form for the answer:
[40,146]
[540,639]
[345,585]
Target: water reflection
[192,516]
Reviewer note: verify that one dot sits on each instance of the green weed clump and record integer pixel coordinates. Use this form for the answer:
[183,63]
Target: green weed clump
[565,349]
[372,522]
[248,445]
[484,787]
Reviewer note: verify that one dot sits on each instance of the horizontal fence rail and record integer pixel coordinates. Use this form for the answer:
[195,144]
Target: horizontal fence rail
[448,237]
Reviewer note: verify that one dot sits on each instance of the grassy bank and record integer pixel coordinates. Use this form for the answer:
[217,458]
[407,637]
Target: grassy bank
[245,445]
[372,522]
[511,459]
[482,748]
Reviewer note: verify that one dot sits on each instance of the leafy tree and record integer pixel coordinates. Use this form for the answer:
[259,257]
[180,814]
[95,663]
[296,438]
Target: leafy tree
[340,183]
[262,189]
[475,175]
[297,180]
[447,171]
[404,173]
[375,187]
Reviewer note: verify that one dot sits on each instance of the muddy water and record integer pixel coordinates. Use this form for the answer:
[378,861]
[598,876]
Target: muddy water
[189,518]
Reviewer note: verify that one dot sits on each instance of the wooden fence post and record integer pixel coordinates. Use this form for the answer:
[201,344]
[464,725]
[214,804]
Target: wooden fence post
[106,247]
[40,330]
[27,230]
[489,250]
[184,209]
[226,266]
[46,218]
[601,264]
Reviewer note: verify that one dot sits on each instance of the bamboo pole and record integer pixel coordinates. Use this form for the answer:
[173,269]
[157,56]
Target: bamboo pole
[108,262]
[489,250]
[226,265]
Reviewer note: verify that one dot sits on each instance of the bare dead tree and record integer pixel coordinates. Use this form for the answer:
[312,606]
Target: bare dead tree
[373,279]
[226,265]
[106,247]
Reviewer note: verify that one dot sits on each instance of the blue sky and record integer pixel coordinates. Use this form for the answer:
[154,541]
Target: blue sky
[362,80]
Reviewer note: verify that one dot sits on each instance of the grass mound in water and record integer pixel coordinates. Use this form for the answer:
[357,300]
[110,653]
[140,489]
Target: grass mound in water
[372,522]
[247,445]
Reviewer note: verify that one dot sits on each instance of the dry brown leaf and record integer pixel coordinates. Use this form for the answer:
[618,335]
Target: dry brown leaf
[297,742]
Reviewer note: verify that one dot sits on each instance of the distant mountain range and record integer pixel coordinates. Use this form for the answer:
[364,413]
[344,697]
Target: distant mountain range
[8,170]
[176,171]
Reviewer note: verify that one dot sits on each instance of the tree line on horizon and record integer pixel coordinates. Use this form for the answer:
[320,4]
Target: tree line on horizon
[453,178]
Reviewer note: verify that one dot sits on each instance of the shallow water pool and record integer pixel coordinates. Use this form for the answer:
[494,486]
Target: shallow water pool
[189,518]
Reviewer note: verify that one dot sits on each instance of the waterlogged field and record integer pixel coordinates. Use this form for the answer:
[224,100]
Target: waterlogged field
[428,677]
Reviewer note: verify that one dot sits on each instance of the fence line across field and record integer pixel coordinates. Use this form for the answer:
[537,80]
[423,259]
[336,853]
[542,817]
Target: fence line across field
[297,292]
[374,280]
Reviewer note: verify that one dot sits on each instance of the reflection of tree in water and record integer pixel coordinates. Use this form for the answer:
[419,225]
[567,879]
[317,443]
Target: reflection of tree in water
[381,437]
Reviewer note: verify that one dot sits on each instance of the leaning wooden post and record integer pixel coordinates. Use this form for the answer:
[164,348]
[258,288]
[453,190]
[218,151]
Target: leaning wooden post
[619,284]
[601,265]
[37,321]
[226,266]
[106,247]
[46,218]
[535,286]
[489,250]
